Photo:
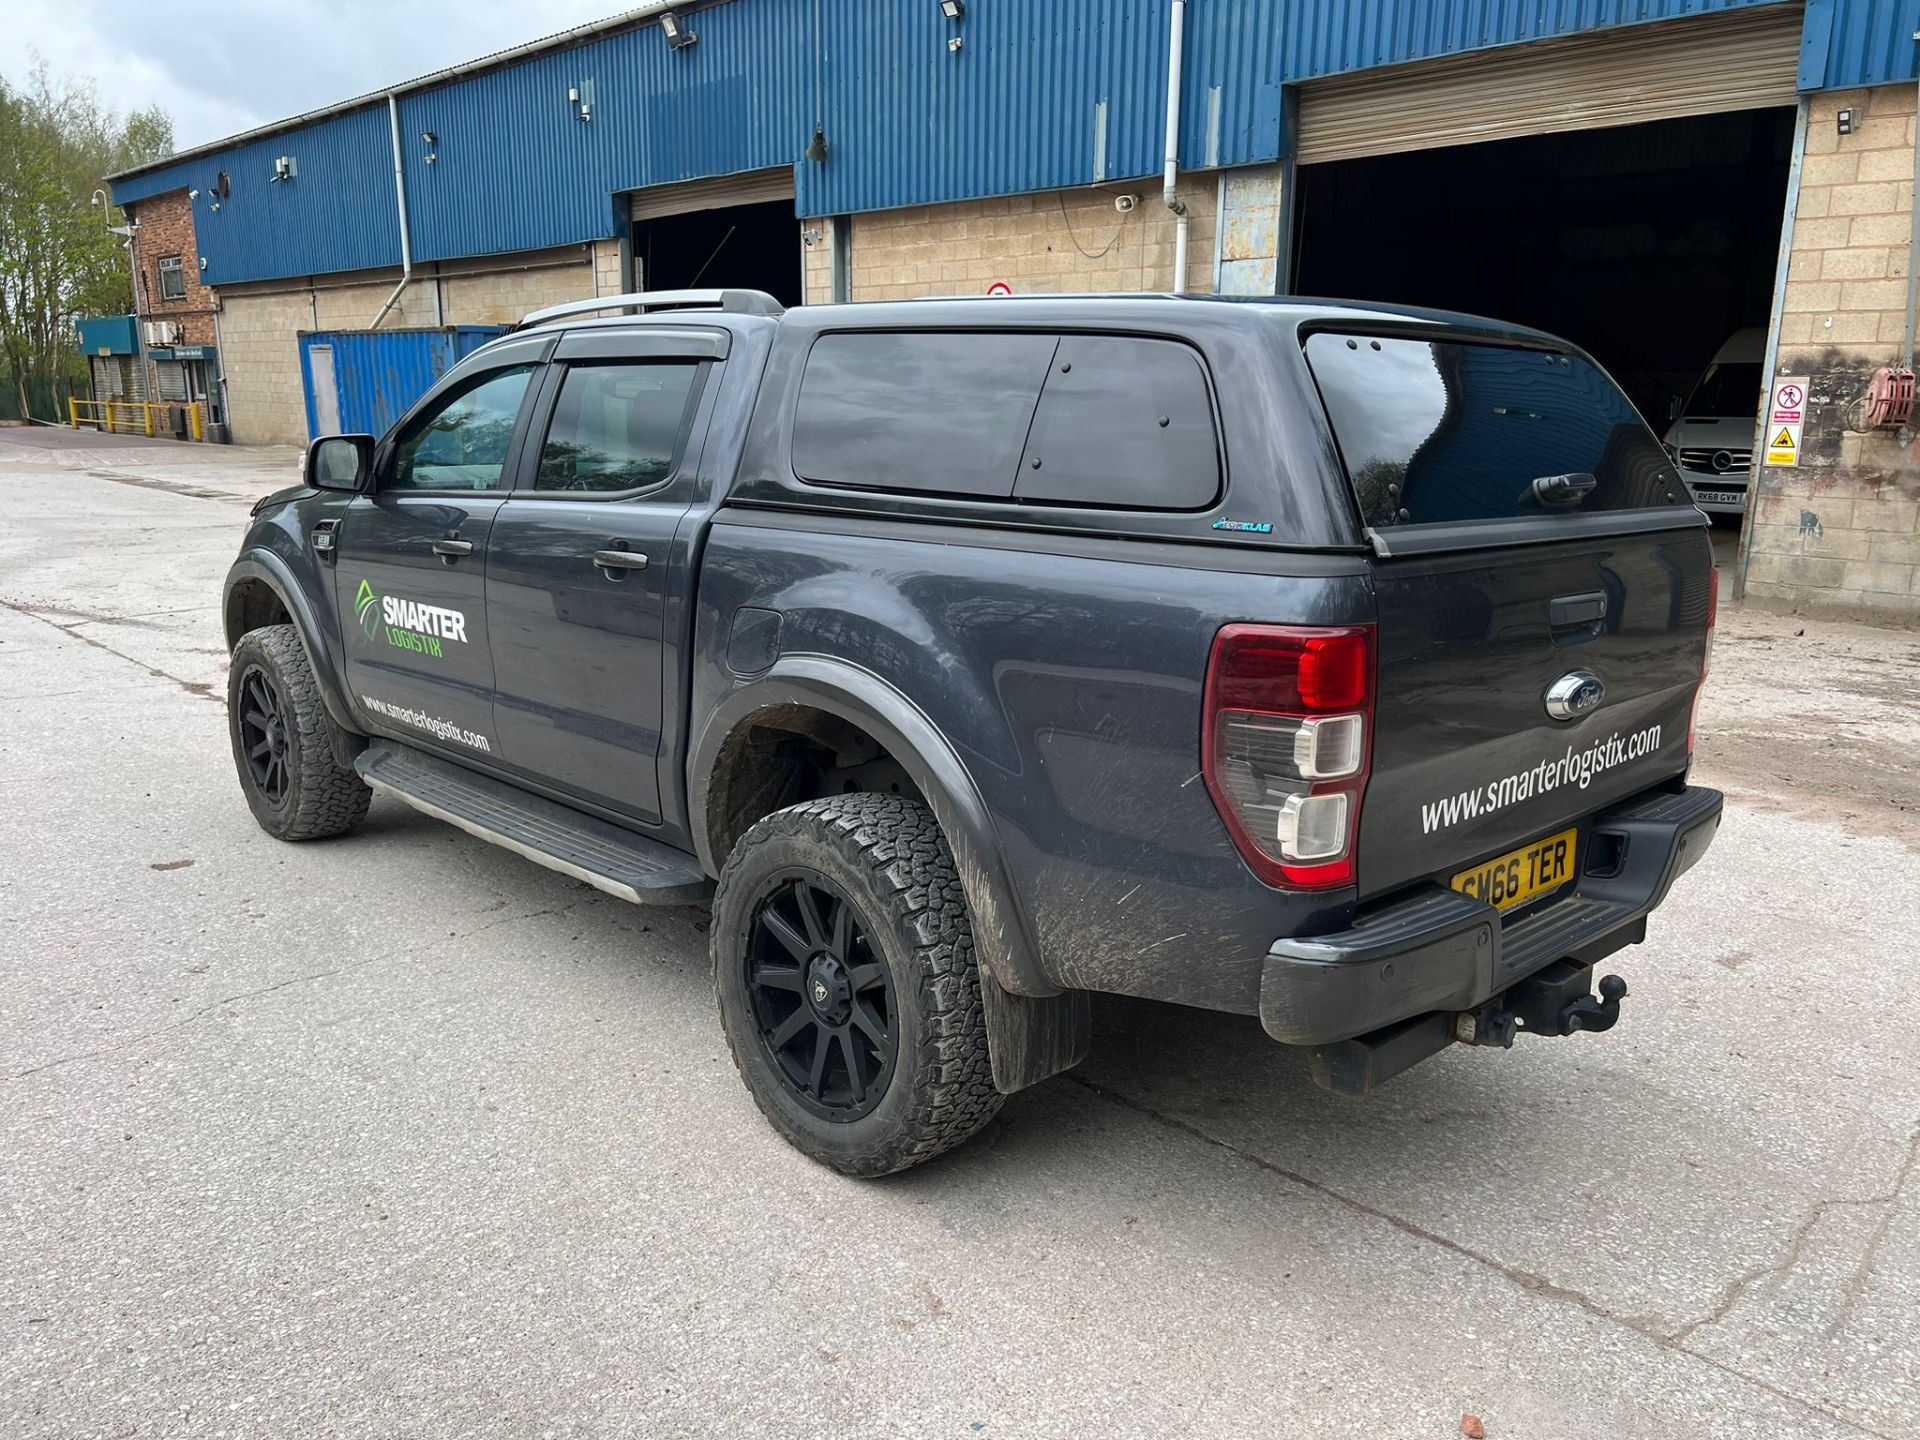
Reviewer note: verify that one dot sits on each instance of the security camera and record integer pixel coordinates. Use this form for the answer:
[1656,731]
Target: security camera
[193,194]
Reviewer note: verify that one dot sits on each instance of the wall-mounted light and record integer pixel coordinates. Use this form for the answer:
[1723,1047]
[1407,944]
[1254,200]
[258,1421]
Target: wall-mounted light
[953,9]
[678,36]
[816,150]
[193,194]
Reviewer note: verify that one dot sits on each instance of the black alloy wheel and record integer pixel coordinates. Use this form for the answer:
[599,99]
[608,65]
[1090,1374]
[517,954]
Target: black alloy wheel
[822,996]
[264,741]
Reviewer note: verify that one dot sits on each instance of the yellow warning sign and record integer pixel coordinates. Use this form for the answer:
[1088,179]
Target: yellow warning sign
[1783,441]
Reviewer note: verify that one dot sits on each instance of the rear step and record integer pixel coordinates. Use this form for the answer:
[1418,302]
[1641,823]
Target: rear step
[550,834]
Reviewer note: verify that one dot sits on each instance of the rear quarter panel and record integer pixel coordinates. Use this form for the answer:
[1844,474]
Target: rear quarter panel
[1067,674]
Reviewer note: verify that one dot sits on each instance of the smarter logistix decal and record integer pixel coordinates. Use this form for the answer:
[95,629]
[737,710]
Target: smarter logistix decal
[408,624]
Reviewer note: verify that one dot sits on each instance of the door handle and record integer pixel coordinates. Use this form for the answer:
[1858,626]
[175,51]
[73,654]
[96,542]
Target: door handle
[614,561]
[451,547]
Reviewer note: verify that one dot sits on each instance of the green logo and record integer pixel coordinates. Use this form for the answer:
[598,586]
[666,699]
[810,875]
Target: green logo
[366,605]
[408,624]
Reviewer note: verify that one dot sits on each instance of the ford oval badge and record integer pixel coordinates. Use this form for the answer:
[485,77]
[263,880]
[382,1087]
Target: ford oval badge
[1576,693]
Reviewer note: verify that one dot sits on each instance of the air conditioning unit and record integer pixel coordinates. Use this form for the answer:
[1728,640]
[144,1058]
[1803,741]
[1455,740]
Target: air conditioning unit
[160,332]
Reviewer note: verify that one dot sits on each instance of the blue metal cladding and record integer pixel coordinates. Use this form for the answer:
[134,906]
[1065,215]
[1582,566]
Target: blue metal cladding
[337,213]
[1859,42]
[516,168]
[378,374]
[1041,95]
[909,121]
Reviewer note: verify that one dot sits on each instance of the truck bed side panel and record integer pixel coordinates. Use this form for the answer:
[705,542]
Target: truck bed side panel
[1068,676]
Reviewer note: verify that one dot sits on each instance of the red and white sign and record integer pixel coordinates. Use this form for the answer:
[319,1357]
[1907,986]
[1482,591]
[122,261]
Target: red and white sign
[1789,401]
[999,287]
[1786,413]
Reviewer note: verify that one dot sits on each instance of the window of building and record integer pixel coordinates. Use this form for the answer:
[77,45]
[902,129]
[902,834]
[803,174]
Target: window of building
[920,413]
[173,278]
[1124,423]
[462,442]
[616,427]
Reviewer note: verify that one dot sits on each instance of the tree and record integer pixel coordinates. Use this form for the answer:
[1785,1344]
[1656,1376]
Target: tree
[58,259]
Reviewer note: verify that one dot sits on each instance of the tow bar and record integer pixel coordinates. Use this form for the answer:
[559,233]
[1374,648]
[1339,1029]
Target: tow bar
[1553,1001]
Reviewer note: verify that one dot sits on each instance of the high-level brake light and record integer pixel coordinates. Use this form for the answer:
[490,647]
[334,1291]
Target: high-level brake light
[1285,749]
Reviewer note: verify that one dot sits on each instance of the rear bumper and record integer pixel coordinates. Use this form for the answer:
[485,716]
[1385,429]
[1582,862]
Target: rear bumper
[1439,951]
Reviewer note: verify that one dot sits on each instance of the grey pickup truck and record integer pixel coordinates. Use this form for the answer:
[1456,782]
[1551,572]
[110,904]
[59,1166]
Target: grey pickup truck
[1329,663]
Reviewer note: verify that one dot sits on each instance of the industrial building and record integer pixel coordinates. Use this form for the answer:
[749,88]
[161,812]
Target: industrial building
[1645,177]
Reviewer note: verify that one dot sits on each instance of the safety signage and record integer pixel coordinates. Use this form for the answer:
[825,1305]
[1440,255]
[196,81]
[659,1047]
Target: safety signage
[1786,413]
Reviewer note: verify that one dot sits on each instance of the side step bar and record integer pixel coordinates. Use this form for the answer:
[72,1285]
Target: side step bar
[545,832]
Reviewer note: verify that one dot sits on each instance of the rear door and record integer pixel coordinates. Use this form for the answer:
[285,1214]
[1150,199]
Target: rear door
[411,563]
[582,567]
[1543,595]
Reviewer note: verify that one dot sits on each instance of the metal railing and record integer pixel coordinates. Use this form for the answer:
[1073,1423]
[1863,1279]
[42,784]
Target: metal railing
[137,417]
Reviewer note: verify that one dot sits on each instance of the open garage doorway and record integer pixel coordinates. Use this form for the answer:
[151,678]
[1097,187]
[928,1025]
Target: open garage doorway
[750,247]
[1651,246]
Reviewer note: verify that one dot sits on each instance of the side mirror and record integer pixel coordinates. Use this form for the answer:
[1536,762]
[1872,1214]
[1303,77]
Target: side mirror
[339,462]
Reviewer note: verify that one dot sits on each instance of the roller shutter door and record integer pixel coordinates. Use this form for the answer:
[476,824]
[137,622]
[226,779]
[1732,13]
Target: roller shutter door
[1743,60]
[752,187]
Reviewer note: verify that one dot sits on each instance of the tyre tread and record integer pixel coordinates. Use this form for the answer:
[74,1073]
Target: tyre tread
[899,845]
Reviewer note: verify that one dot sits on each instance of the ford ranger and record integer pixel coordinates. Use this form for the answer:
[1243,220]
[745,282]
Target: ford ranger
[1334,664]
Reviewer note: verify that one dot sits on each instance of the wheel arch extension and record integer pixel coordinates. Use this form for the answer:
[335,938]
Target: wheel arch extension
[866,701]
[260,591]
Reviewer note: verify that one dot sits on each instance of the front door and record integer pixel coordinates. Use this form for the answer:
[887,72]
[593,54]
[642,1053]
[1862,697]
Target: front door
[411,566]
[579,572]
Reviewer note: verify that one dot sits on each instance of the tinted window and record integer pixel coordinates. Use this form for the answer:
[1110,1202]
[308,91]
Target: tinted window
[1123,422]
[941,414]
[616,427]
[1438,431]
[461,444]
[1730,390]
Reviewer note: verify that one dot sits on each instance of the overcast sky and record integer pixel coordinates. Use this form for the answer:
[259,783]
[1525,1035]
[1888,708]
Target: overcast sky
[222,66]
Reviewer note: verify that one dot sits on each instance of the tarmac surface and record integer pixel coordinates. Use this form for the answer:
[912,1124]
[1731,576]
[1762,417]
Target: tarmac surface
[402,1135]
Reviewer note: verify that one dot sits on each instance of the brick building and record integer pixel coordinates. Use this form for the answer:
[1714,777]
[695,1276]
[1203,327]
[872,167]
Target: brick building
[176,311]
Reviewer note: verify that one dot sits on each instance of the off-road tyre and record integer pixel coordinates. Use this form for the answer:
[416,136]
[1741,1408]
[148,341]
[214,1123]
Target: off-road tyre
[887,856]
[315,797]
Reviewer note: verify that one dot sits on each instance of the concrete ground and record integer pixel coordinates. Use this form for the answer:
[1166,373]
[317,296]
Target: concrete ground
[401,1135]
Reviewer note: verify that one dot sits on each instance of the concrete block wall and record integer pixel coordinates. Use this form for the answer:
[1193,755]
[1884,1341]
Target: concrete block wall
[1841,531]
[260,325]
[1055,241]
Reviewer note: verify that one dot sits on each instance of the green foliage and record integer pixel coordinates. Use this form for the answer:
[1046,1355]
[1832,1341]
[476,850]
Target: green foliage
[58,258]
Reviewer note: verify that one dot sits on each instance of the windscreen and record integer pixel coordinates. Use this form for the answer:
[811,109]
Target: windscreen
[1434,431]
[1728,391]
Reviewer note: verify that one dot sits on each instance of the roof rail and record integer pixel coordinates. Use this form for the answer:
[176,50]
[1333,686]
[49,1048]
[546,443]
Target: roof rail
[740,302]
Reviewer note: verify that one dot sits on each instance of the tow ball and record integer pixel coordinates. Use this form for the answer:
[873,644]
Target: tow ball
[1553,1001]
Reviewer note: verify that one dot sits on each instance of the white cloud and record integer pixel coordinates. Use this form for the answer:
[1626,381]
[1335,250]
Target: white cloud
[222,66]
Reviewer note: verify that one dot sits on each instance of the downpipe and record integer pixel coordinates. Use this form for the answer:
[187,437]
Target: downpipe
[1170,173]
[400,195]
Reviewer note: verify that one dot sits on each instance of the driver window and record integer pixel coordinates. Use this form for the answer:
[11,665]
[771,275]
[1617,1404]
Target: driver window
[616,427]
[462,444]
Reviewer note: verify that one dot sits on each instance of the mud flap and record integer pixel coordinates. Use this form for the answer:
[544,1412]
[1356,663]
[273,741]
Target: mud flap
[1030,1039]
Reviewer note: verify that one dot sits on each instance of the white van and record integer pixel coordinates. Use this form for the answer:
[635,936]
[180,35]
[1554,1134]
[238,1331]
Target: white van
[1711,438]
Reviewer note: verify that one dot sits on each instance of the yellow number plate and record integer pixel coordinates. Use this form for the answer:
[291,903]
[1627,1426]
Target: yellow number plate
[1520,875]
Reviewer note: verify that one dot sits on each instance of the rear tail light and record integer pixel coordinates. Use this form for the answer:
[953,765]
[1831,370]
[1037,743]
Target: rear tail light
[1706,656]
[1287,744]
